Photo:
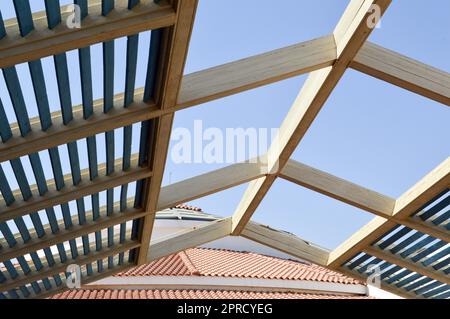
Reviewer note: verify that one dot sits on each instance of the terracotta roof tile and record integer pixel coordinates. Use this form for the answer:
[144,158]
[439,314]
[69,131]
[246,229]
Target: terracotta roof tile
[192,294]
[228,263]
[188,207]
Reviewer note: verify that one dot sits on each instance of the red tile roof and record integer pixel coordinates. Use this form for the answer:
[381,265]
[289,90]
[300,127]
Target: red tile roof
[188,207]
[228,263]
[191,294]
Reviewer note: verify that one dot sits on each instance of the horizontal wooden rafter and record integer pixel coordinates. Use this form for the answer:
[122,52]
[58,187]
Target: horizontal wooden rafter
[405,263]
[75,231]
[404,72]
[59,267]
[71,192]
[255,71]
[86,279]
[95,28]
[59,134]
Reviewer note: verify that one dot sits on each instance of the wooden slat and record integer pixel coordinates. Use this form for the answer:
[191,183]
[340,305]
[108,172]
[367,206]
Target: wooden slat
[70,192]
[285,242]
[189,238]
[59,267]
[255,71]
[59,134]
[404,72]
[350,34]
[405,263]
[86,280]
[41,42]
[209,183]
[338,188]
[390,288]
[75,231]
[175,58]
[412,200]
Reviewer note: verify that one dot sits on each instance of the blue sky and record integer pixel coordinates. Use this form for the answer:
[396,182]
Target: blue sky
[368,132]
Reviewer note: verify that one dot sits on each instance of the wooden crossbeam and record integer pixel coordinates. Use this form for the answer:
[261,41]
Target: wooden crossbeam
[404,72]
[59,134]
[285,242]
[189,238]
[87,279]
[95,28]
[255,71]
[338,188]
[175,60]
[405,263]
[425,190]
[209,183]
[71,192]
[390,288]
[354,195]
[59,267]
[350,34]
[76,231]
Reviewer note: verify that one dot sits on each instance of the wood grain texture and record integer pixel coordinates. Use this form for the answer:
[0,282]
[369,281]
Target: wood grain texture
[95,28]
[404,72]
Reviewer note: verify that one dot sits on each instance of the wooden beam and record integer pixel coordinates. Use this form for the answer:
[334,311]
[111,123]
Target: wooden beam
[76,231]
[175,60]
[209,183]
[408,264]
[425,190]
[59,134]
[87,279]
[255,71]
[95,28]
[285,242]
[354,195]
[390,288]
[350,34]
[59,267]
[189,238]
[338,188]
[71,192]
[404,72]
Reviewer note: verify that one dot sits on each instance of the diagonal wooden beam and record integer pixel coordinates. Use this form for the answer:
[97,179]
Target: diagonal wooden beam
[95,28]
[285,242]
[350,34]
[59,267]
[255,71]
[189,238]
[354,195]
[425,190]
[406,263]
[338,188]
[179,37]
[404,72]
[72,192]
[209,183]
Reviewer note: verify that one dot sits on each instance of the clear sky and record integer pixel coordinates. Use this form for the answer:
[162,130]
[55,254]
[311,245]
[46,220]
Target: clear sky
[369,132]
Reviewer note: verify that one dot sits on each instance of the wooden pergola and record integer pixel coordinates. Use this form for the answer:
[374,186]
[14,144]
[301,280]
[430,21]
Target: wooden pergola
[409,239]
